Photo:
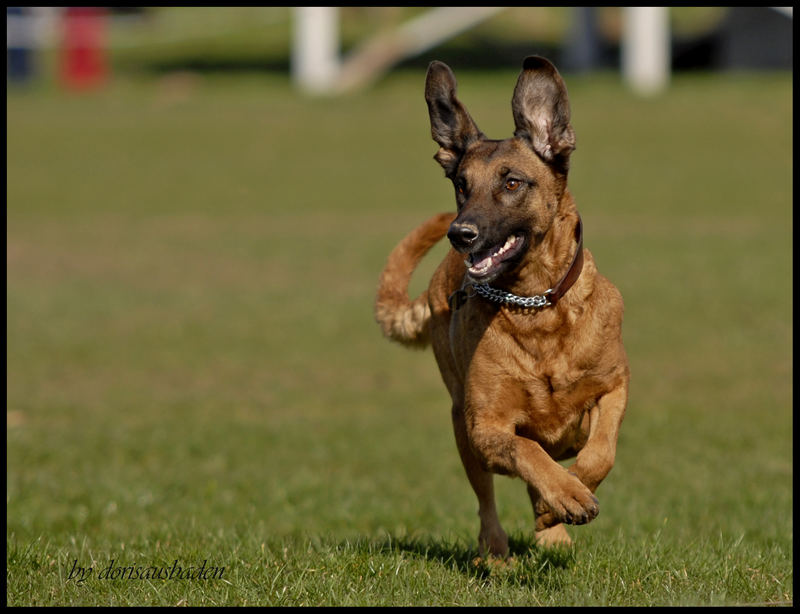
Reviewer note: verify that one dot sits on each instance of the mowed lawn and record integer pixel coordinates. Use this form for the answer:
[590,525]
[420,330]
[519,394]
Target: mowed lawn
[195,378]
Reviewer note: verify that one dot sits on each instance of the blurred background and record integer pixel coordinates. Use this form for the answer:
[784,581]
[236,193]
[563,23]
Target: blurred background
[200,201]
[310,41]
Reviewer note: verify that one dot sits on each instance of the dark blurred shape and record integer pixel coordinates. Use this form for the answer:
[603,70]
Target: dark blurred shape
[84,62]
[19,47]
[132,11]
[756,37]
[583,50]
[748,38]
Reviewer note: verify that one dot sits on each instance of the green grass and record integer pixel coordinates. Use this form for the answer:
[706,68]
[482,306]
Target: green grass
[194,373]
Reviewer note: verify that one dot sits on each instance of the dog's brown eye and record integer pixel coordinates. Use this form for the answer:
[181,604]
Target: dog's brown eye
[512,184]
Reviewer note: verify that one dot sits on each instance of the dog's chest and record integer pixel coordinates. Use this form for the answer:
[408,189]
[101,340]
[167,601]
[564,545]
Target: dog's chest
[529,376]
[483,337]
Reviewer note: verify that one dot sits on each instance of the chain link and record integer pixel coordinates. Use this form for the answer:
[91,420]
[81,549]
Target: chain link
[501,296]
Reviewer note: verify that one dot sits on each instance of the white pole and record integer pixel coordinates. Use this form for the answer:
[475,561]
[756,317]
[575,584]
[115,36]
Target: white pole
[315,47]
[646,48]
[411,38]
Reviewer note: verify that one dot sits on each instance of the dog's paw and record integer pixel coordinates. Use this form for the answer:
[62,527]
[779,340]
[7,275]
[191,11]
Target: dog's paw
[571,503]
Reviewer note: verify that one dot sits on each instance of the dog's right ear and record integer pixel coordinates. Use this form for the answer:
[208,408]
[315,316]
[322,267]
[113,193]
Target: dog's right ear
[451,126]
[541,111]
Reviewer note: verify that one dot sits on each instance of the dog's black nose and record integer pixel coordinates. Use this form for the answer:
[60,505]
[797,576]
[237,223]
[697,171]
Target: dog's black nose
[462,235]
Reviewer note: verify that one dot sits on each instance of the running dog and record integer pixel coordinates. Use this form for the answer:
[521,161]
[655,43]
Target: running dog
[526,332]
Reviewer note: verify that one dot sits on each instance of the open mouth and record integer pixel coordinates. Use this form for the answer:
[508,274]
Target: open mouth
[485,264]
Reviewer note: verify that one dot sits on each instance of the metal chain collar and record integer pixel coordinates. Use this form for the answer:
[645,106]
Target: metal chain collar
[501,296]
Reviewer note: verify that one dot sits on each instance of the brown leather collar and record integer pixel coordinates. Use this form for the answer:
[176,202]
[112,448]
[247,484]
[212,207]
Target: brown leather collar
[548,298]
[575,267]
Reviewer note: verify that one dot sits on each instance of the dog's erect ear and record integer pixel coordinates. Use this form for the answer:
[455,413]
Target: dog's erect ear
[451,125]
[541,111]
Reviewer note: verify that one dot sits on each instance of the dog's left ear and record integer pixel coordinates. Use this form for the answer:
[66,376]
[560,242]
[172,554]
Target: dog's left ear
[451,125]
[541,111]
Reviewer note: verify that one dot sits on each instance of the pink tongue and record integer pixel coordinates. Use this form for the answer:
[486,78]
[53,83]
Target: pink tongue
[482,265]
[479,263]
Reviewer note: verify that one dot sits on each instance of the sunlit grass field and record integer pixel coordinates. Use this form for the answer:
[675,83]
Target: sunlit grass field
[194,373]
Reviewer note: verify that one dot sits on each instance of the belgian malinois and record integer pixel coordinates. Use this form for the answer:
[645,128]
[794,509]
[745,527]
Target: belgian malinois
[527,334]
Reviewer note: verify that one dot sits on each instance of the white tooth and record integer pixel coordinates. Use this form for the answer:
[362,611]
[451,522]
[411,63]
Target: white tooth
[509,242]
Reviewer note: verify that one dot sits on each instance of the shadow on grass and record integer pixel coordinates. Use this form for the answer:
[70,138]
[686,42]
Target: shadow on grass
[527,565]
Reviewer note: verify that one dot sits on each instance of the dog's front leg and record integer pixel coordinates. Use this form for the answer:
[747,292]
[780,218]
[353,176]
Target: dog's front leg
[492,539]
[596,458]
[501,450]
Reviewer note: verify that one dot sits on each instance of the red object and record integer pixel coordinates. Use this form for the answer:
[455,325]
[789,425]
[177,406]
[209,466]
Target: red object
[83,56]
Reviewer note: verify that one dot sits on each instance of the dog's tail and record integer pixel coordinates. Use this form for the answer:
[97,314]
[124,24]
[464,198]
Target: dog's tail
[400,318]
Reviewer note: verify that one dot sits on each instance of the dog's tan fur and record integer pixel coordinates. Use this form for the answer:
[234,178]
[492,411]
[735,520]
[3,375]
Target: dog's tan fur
[529,388]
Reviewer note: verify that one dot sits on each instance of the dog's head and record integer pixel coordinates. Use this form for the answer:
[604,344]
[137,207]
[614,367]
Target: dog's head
[507,191]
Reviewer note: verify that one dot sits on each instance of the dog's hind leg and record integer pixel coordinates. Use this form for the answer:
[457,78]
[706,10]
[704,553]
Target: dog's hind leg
[492,539]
